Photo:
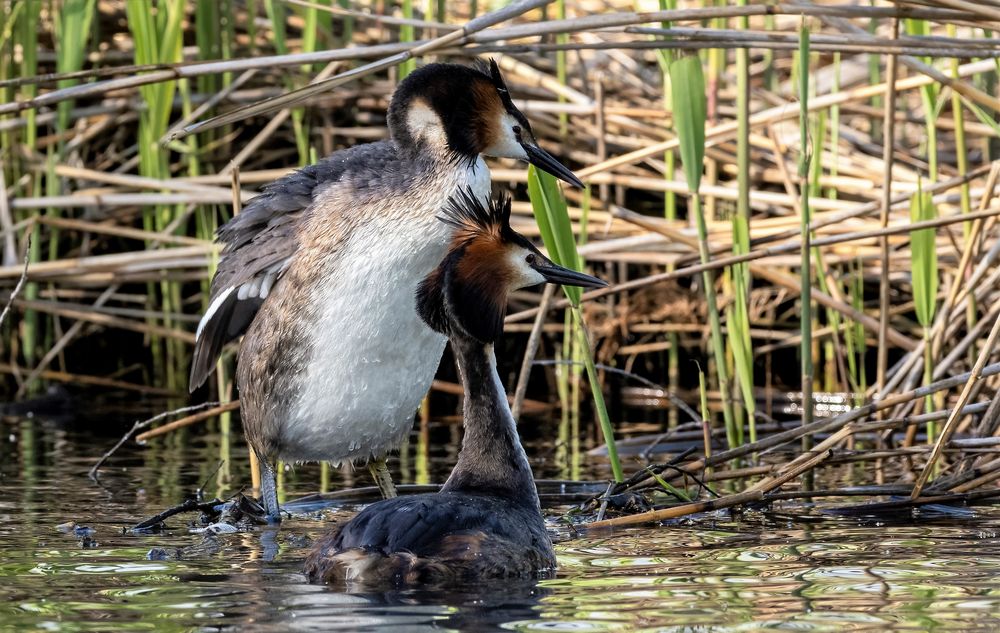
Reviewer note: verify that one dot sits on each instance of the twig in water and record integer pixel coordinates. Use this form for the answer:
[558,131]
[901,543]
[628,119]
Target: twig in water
[659,468]
[653,470]
[189,505]
[187,421]
[649,472]
[138,426]
[200,492]
[604,501]
[644,474]
[677,511]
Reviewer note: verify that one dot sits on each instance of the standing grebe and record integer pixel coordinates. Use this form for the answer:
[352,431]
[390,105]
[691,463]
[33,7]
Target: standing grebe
[486,521]
[319,271]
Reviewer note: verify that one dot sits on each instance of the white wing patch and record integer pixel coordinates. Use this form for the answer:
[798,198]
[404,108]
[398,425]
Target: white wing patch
[258,287]
[212,309]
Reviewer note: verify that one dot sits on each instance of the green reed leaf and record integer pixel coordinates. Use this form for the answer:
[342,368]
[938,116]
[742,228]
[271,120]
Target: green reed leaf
[923,246]
[687,86]
[552,216]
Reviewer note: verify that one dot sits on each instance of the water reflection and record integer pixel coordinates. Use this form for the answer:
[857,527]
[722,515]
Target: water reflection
[757,572]
[489,607]
[823,577]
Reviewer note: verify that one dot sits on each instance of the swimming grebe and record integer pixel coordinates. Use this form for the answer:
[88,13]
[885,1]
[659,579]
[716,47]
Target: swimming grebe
[486,521]
[319,271]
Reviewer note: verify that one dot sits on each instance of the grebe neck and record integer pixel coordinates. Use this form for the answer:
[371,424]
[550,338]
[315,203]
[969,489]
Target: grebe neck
[492,459]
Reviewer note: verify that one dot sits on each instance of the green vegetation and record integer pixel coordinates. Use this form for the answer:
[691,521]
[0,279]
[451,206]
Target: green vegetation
[687,83]
[764,271]
[550,212]
[923,245]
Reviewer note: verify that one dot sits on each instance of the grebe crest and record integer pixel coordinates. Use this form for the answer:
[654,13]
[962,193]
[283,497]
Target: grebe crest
[486,261]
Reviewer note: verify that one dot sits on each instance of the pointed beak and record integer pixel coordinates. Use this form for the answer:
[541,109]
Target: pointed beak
[556,274]
[545,161]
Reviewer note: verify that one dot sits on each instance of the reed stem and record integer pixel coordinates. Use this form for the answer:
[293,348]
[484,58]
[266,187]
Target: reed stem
[805,217]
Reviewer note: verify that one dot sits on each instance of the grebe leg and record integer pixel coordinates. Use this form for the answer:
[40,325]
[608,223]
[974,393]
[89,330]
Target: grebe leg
[269,491]
[380,472]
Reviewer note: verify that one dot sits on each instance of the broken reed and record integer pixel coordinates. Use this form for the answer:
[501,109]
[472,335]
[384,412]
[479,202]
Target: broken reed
[747,144]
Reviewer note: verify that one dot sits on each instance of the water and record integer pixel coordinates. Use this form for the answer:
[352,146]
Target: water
[758,572]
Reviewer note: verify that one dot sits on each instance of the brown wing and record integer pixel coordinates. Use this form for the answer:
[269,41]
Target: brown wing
[261,242]
[244,278]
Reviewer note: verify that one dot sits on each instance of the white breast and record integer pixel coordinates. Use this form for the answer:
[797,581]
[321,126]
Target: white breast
[373,357]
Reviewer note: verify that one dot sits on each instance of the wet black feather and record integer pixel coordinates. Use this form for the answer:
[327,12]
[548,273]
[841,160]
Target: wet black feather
[500,85]
[478,312]
[437,537]
[431,301]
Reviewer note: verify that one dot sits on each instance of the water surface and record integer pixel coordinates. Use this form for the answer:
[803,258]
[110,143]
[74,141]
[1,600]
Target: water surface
[717,572]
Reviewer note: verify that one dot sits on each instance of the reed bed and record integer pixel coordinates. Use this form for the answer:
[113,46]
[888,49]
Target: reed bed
[795,205]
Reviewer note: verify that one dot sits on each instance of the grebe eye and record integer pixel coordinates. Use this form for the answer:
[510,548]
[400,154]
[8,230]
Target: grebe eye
[530,259]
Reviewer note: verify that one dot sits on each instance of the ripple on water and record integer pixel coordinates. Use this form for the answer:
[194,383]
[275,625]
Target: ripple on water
[697,575]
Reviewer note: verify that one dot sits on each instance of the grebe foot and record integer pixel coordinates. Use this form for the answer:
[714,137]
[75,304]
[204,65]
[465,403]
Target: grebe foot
[380,472]
[269,492]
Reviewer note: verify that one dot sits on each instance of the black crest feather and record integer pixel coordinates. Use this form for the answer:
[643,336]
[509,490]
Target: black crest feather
[469,214]
[491,69]
[473,305]
[500,84]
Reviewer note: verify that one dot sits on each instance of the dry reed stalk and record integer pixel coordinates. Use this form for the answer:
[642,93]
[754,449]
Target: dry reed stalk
[780,113]
[83,379]
[949,426]
[182,257]
[534,338]
[99,318]
[297,96]
[187,421]
[836,423]
[617,134]
[735,259]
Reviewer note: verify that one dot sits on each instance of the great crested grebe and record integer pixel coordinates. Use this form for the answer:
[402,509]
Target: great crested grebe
[319,271]
[486,521]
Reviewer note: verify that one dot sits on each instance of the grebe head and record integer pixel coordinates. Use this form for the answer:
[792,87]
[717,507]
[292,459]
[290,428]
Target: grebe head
[466,112]
[486,261]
